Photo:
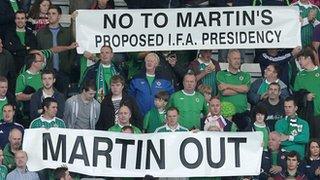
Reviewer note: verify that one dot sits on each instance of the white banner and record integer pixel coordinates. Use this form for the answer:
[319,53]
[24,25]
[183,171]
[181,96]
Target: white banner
[188,28]
[185,154]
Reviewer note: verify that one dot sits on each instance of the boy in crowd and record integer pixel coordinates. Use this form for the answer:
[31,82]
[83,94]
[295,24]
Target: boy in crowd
[156,116]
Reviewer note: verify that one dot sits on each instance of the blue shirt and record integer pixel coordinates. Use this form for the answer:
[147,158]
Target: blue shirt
[19,174]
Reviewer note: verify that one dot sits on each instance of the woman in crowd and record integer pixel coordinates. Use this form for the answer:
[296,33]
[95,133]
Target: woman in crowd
[38,14]
[311,164]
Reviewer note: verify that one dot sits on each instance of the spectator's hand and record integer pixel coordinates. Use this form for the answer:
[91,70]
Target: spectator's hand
[296,50]
[88,55]
[275,169]
[312,15]
[74,15]
[172,60]
[310,97]
[284,137]
[317,171]
[73,45]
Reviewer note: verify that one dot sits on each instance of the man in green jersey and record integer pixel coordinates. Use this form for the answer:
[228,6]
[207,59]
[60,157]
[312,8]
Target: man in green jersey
[233,85]
[172,124]
[309,79]
[48,119]
[189,102]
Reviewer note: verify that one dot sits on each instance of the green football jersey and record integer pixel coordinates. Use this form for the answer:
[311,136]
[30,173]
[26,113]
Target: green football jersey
[40,122]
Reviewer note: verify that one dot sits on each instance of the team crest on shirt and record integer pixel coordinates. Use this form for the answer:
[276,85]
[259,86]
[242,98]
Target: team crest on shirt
[197,100]
[317,74]
[241,78]
[158,83]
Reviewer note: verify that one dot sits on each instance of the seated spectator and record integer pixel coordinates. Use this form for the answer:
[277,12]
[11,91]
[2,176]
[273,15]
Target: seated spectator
[48,118]
[124,116]
[189,102]
[8,124]
[219,116]
[48,79]
[273,104]
[111,103]
[310,166]
[82,110]
[101,72]
[259,88]
[291,172]
[38,14]
[3,168]
[274,159]
[148,83]
[14,145]
[206,69]
[5,96]
[21,171]
[62,173]
[157,115]
[294,131]
[172,125]
[280,57]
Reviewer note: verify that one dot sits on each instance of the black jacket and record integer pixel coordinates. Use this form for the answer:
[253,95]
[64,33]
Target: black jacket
[107,116]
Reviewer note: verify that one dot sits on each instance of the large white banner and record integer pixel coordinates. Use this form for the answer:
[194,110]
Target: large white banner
[188,28]
[185,154]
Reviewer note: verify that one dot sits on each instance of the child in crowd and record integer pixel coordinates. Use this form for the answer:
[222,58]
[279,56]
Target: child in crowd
[260,125]
[127,129]
[205,90]
[156,116]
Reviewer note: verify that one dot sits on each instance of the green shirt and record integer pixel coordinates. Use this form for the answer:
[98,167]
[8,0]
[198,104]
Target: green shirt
[300,135]
[166,128]
[241,78]
[3,102]
[107,74]
[310,81]
[150,79]
[190,106]
[152,120]
[21,36]
[265,133]
[3,172]
[40,122]
[26,78]
[8,160]
[118,128]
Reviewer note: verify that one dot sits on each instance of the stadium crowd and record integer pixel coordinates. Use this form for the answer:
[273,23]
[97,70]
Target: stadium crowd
[44,83]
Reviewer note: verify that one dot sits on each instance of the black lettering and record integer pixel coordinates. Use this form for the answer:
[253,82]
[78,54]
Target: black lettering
[214,17]
[277,33]
[146,20]
[139,154]
[125,143]
[105,153]
[230,38]
[251,37]
[237,141]
[260,37]
[61,145]
[246,17]
[266,14]
[183,159]
[200,20]
[228,13]
[121,22]
[107,21]
[268,36]
[222,37]
[184,22]
[222,153]
[84,156]
[189,39]
[98,40]
[165,22]
[160,160]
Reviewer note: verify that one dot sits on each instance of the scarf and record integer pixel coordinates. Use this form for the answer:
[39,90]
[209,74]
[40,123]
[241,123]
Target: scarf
[102,88]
